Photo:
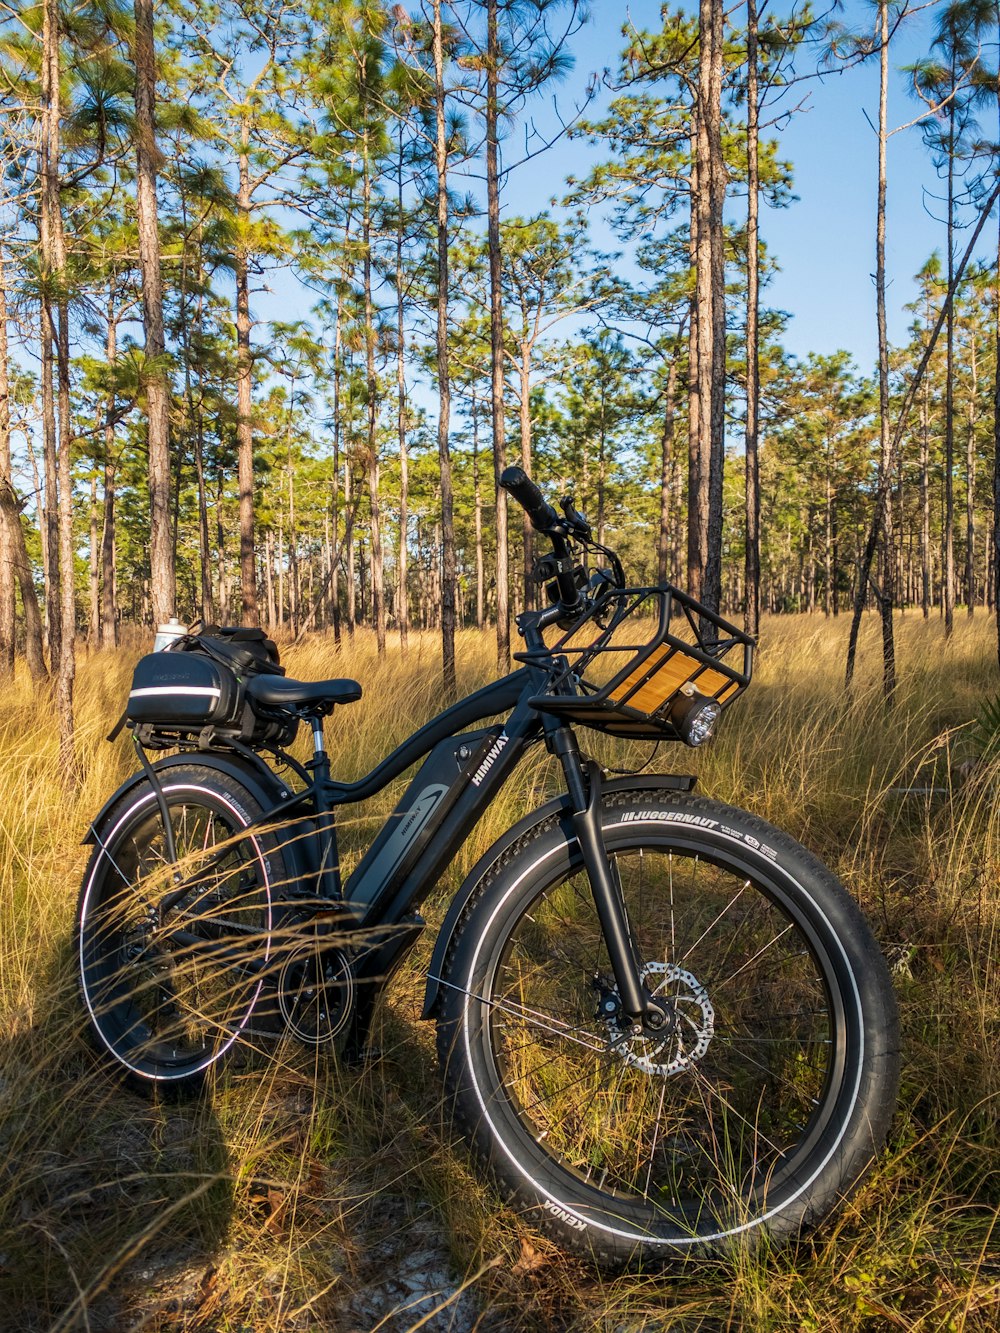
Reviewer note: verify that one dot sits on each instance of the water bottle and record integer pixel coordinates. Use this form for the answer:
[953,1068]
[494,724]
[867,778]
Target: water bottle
[166,634]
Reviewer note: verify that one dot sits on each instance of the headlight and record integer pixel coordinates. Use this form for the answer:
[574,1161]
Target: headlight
[694,715]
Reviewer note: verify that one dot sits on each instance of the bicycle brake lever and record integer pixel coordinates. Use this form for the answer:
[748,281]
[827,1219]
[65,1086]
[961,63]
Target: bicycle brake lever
[575,521]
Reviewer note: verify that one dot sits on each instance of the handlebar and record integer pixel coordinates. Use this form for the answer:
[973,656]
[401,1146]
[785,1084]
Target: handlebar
[520,487]
[544,519]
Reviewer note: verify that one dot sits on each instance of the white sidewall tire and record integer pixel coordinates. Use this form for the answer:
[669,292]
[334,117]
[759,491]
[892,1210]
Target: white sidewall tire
[226,796]
[865,1093]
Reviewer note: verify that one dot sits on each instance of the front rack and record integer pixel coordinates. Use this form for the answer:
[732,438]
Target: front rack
[629,657]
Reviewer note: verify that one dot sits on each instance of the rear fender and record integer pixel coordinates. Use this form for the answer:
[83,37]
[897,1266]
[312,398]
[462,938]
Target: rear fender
[559,807]
[264,786]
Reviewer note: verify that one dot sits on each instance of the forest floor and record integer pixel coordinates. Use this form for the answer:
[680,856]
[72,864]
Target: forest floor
[302,1195]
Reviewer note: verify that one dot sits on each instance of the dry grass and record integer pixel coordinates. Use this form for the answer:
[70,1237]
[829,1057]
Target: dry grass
[292,1197]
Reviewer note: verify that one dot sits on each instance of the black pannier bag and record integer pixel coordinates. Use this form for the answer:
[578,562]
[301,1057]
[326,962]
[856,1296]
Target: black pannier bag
[195,690]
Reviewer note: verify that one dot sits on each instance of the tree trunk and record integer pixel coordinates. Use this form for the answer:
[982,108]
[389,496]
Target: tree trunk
[524,421]
[94,572]
[335,485]
[925,503]
[51,278]
[711,289]
[751,609]
[970,477]
[204,553]
[54,269]
[996,425]
[827,540]
[668,519]
[402,596]
[349,541]
[244,393]
[949,396]
[480,573]
[8,539]
[294,586]
[10,523]
[378,586]
[109,606]
[161,558]
[272,610]
[886,593]
[697,495]
[444,384]
[496,327]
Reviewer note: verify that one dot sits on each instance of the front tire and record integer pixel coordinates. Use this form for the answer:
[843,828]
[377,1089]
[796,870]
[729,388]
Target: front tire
[771,1091]
[167,994]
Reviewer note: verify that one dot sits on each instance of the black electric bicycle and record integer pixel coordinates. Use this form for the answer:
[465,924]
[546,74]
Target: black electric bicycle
[665,1027]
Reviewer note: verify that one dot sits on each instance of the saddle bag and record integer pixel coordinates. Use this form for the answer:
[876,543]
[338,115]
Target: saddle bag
[196,688]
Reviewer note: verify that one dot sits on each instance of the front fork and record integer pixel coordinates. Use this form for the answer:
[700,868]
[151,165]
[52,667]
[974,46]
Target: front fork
[583,782]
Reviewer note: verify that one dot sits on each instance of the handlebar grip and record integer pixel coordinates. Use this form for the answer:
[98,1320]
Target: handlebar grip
[520,487]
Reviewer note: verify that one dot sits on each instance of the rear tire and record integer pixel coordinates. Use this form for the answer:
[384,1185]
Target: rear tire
[168,998]
[759,1110]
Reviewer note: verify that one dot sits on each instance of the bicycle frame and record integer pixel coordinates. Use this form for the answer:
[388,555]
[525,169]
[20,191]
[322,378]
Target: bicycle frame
[462,773]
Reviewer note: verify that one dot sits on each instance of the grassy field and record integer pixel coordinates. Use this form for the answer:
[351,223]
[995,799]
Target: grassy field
[306,1196]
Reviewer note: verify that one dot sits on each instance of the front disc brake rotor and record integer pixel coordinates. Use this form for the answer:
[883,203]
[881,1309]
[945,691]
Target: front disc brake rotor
[690,1034]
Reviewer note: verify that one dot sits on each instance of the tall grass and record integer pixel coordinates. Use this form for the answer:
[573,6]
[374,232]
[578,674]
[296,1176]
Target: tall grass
[304,1195]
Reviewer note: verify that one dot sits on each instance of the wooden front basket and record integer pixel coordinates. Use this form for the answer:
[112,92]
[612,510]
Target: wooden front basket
[629,658]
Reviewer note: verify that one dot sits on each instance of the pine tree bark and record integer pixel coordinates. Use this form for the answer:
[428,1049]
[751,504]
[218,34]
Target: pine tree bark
[8,596]
[711,289]
[244,393]
[668,518]
[108,594]
[444,383]
[697,478]
[204,551]
[996,422]
[349,542]
[886,594]
[493,57]
[480,571]
[970,477]
[751,594]
[161,555]
[51,277]
[94,572]
[335,486]
[925,503]
[402,598]
[14,546]
[378,586]
[949,395]
[57,334]
[524,422]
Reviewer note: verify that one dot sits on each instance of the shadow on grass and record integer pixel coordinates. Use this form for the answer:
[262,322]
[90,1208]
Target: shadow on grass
[105,1195]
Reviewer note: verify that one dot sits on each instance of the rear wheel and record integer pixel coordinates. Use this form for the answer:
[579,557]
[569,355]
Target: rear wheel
[172,957]
[757,1106]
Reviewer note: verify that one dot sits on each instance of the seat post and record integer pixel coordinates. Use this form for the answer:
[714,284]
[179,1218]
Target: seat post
[319,741]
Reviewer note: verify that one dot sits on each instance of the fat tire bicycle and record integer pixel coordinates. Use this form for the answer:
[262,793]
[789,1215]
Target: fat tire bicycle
[664,1026]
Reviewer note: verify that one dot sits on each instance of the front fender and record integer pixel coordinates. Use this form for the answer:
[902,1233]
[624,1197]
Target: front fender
[561,808]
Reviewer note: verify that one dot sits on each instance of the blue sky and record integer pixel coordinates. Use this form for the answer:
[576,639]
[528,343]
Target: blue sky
[824,242]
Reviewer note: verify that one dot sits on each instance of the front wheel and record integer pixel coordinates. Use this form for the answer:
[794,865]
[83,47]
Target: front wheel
[172,956]
[759,1104]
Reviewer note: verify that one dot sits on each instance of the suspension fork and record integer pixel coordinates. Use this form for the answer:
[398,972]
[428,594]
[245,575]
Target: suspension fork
[583,782]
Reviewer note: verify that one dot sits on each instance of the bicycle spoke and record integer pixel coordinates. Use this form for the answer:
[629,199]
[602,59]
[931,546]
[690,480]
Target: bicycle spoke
[622,1106]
